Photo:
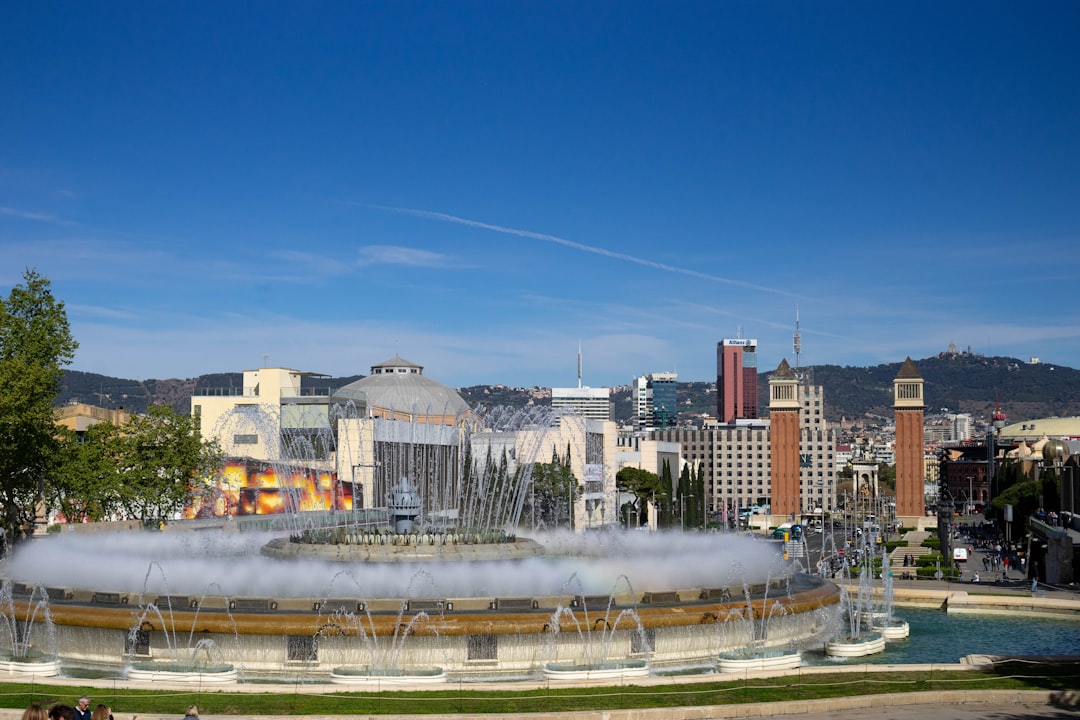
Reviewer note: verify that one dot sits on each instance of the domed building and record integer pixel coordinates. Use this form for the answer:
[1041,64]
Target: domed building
[397,389]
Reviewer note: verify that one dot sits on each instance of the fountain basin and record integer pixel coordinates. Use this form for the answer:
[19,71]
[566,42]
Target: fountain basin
[774,659]
[847,646]
[610,670]
[29,665]
[893,629]
[182,673]
[367,675]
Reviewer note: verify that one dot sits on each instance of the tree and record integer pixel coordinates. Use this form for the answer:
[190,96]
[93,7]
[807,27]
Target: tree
[644,485]
[35,344]
[149,468]
[555,491]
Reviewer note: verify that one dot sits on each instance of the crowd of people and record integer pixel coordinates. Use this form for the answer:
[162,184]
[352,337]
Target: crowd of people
[82,711]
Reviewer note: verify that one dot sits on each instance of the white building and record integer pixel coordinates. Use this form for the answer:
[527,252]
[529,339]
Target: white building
[593,403]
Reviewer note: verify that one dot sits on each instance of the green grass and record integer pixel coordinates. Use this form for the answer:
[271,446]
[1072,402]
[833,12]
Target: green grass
[460,699]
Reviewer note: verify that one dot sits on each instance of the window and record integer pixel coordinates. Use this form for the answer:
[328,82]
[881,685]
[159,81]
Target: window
[301,648]
[482,647]
[643,641]
[245,439]
[137,642]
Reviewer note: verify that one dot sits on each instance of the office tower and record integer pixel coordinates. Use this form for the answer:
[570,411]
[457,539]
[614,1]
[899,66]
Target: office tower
[654,401]
[736,380]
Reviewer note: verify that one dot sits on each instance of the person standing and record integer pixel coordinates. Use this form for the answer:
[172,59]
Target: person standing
[82,709]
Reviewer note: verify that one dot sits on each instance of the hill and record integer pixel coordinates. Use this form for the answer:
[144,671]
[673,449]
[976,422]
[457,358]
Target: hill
[960,382]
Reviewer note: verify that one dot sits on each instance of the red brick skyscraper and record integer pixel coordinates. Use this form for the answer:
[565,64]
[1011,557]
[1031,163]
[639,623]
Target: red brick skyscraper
[784,439]
[910,470]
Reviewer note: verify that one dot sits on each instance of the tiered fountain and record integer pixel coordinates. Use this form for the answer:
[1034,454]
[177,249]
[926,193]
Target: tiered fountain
[491,604]
[22,626]
[860,639]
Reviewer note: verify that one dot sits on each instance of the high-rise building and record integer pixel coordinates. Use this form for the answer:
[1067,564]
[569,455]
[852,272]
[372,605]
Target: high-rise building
[736,380]
[592,403]
[788,461]
[654,401]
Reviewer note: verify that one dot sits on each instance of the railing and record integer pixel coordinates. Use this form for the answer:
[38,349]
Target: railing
[224,392]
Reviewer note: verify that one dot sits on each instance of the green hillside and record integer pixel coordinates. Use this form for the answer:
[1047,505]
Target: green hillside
[961,382]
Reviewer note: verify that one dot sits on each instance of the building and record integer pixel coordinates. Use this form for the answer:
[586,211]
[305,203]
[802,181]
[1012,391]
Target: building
[80,417]
[739,458]
[654,398]
[784,440]
[908,406]
[290,447]
[736,380]
[592,403]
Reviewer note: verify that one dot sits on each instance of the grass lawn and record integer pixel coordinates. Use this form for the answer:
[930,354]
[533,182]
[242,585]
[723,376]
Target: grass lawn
[460,699]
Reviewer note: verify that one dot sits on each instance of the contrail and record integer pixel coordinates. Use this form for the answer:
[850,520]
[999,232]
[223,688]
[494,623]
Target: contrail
[575,245]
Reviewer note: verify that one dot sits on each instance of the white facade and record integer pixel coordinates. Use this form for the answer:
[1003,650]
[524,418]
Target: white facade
[248,421]
[961,427]
[592,403]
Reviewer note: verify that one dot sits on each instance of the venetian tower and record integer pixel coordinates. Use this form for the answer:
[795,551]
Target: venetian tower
[784,440]
[910,470]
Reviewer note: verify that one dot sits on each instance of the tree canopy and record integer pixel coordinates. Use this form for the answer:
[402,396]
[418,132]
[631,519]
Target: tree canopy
[148,468]
[35,344]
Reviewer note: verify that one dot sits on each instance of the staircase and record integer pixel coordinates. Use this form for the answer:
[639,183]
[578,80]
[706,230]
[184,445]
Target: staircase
[914,548]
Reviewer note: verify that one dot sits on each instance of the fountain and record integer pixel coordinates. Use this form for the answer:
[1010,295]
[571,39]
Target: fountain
[18,655]
[758,654]
[192,661]
[593,639]
[461,498]
[860,640]
[883,620]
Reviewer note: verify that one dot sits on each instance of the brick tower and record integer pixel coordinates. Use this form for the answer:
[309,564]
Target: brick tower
[910,470]
[784,440]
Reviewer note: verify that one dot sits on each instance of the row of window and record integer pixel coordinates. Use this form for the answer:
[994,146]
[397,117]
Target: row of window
[305,648]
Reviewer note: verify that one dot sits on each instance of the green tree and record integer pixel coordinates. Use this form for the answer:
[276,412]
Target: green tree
[35,344]
[554,493]
[164,458]
[644,485]
[86,476]
[150,468]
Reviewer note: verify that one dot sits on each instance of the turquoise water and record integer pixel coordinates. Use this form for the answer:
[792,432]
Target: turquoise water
[938,637]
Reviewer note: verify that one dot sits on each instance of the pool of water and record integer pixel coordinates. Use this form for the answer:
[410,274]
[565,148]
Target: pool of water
[938,637]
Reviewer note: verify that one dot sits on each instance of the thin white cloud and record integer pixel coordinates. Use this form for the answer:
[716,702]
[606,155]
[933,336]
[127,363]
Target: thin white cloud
[34,216]
[398,255]
[310,262]
[576,246]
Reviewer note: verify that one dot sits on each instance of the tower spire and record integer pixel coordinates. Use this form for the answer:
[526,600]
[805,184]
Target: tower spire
[579,364]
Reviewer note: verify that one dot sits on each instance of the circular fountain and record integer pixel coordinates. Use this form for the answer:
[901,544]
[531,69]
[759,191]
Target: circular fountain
[437,583]
[610,604]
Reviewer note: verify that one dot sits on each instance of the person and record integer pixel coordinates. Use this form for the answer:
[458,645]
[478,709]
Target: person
[82,709]
[192,712]
[102,712]
[35,712]
[61,712]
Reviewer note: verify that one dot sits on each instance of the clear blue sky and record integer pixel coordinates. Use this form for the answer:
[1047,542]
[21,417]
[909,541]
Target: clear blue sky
[480,186]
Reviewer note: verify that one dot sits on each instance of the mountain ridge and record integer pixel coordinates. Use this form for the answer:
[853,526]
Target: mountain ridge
[954,382]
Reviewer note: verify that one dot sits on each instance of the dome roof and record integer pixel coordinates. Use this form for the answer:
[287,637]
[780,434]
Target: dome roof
[399,386]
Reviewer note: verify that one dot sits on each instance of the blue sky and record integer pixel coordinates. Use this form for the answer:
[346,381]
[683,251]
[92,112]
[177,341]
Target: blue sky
[482,186]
